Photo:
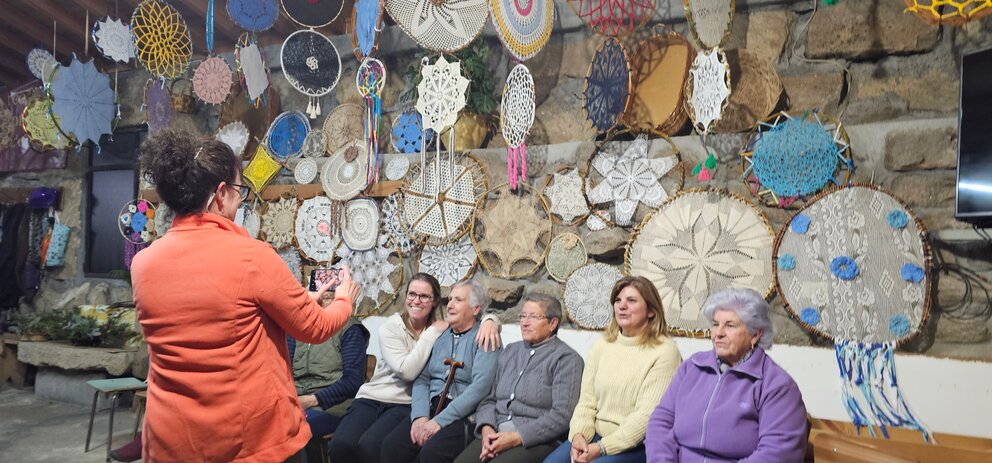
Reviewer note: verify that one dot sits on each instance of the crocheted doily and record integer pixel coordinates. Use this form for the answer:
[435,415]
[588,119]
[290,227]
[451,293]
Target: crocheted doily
[378,271]
[440,215]
[41,125]
[697,243]
[854,264]
[606,89]
[708,88]
[40,61]
[587,295]
[292,259]
[212,80]
[524,27]
[248,218]
[360,224]
[710,21]
[261,170]
[407,134]
[787,158]
[315,235]
[161,39]
[517,106]
[344,125]
[285,136]
[253,15]
[397,168]
[449,263]
[278,222]
[446,26]
[633,176]
[84,100]
[343,176]
[136,221]
[390,225]
[660,68]
[305,171]
[566,254]
[613,17]
[235,135]
[441,93]
[112,38]
[315,144]
[511,232]
[564,197]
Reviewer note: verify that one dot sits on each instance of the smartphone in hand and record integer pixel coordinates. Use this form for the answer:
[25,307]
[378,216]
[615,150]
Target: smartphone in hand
[320,276]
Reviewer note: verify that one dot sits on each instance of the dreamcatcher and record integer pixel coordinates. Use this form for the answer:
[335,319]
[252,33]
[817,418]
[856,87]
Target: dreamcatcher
[606,88]
[261,170]
[449,263]
[587,295]
[854,266]
[360,224]
[696,244]
[445,26]
[523,27]
[343,125]
[157,107]
[285,136]
[378,271]
[566,254]
[633,175]
[660,68]
[391,225]
[136,221]
[438,215]
[710,21]
[787,158]
[251,67]
[613,18]
[949,12]
[516,118]
[510,232]
[235,135]
[407,134]
[311,64]
[370,79]
[278,222]
[367,24]
[161,39]
[316,236]
[112,38]
[212,78]
[247,217]
[564,198]
[707,92]
[312,13]
[253,15]
[41,63]
[41,125]
[84,101]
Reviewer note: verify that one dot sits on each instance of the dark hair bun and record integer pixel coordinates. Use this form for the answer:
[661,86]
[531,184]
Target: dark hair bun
[184,170]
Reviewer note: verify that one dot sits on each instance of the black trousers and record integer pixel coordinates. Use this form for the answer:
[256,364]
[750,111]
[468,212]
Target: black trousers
[444,446]
[362,430]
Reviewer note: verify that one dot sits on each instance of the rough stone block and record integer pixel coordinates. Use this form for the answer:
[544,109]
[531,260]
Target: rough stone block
[562,116]
[963,332]
[502,292]
[816,90]
[576,56]
[68,357]
[69,386]
[606,243]
[768,32]
[934,148]
[864,30]
[926,189]
[933,89]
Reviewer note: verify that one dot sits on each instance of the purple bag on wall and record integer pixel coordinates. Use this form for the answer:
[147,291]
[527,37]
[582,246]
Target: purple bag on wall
[42,198]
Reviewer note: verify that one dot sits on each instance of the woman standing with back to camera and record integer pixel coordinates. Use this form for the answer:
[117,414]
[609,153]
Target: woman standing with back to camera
[215,306]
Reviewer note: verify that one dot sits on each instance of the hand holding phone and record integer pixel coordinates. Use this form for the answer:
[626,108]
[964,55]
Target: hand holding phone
[321,276]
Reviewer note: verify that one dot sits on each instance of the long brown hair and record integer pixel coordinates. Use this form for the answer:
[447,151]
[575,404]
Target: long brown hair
[657,327]
[436,292]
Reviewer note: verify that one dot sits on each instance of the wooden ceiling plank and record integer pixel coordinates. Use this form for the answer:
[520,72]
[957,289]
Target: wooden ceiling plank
[100,8]
[226,28]
[66,21]
[37,32]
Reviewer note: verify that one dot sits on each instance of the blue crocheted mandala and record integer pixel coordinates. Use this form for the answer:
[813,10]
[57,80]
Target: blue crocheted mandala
[286,134]
[607,86]
[795,158]
[408,132]
[253,15]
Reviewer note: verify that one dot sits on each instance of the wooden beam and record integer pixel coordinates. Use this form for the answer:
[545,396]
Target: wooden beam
[101,8]
[74,24]
[27,27]
[13,78]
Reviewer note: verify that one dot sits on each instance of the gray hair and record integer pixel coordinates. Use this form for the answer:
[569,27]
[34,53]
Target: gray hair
[550,304]
[749,306]
[477,295]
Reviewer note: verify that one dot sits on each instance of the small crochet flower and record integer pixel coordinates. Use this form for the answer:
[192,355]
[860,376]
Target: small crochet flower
[810,316]
[898,325]
[786,262]
[845,268]
[138,222]
[912,273]
[897,219]
[800,224]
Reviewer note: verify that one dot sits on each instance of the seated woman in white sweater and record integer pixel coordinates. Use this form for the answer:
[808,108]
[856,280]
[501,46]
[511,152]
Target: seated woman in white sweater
[405,342]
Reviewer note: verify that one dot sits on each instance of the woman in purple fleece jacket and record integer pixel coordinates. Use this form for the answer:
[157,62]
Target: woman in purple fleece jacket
[732,403]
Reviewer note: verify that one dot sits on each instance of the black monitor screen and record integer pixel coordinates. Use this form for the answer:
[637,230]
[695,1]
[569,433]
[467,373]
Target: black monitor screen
[974,190]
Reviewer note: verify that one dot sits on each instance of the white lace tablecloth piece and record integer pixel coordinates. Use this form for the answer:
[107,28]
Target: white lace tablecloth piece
[631,178]
[587,295]
[449,263]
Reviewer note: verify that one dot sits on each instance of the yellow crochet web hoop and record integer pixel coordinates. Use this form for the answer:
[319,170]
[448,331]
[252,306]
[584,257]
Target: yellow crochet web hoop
[949,12]
[161,39]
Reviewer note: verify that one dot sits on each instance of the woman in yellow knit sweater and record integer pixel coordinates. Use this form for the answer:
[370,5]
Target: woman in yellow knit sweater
[626,374]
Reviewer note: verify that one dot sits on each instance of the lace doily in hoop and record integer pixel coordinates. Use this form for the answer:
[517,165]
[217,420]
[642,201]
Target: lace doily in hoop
[344,125]
[161,39]
[285,136]
[511,232]
[438,217]
[441,93]
[84,100]
[407,134]
[397,168]
[278,222]
[261,170]
[235,135]
[248,218]
[344,173]
[312,13]
[315,236]
[633,176]
[708,88]
[305,171]
[449,263]
[136,221]
[524,26]
[253,15]
[710,21]
[112,38]
[360,227]
[788,158]
[854,264]
[564,198]
[566,254]
[587,295]
[390,225]
[606,89]
[613,17]
[41,125]
[697,243]
[212,80]
[292,259]
[516,118]
[378,271]
[315,144]
[39,62]
[311,64]
[446,26]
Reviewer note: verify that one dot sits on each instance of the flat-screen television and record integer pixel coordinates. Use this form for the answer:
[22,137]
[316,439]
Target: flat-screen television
[974,185]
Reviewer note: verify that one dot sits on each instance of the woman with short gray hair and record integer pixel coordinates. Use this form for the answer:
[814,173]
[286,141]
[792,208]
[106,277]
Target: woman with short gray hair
[758,412]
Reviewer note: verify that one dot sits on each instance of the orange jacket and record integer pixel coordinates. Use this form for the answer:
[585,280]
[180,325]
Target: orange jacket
[215,306]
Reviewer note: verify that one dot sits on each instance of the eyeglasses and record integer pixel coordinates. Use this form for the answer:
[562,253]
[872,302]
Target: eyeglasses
[243,190]
[421,297]
[532,317]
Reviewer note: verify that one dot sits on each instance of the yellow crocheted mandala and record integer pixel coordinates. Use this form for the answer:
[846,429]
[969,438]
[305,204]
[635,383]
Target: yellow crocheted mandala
[261,170]
[161,39]
[949,12]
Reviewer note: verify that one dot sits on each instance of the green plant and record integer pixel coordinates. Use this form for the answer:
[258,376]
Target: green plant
[47,323]
[475,68]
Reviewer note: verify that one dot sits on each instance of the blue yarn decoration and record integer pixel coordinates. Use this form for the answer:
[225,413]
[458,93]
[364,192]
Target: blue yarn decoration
[408,132]
[845,268]
[796,157]
[810,316]
[912,273]
[286,134]
[899,325]
[253,15]
[366,23]
[607,87]
[897,219]
[138,222]
[786,262]
[800,224]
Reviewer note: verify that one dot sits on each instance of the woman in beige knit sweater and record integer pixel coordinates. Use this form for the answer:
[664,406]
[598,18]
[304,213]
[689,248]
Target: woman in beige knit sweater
[626,373]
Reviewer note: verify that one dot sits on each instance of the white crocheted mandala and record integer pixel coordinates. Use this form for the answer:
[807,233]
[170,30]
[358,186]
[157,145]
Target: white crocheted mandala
[391,225]
[315,235]
[587,295]
[113,38]
[441,93]
[517,106]
[371,270]
[630,178]
[360,224]
[449,263]
[710,81]
[278,222]
[565,197]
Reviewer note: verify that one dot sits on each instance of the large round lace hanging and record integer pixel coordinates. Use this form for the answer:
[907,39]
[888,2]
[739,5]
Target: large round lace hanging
[516,119]
[343,125]
[311,64]
[606,89]
[378,271]
[511,231]
[360,224]
[315,235]
[566,254]
[696,244]
[449,263]
[343,176]
[278,222]
[446,26]
[84,100]
[286,134]
[587,295]
[161,39]
[523,26]
[212,80]
[440,215]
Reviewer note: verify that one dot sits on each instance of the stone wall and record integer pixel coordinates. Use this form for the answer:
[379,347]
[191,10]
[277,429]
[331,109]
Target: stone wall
[892,79]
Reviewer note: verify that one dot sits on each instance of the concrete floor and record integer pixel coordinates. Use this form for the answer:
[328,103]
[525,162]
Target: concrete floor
[33,429]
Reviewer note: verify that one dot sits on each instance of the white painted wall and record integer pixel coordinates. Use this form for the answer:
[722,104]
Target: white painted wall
[949,396]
